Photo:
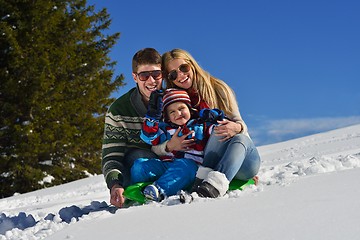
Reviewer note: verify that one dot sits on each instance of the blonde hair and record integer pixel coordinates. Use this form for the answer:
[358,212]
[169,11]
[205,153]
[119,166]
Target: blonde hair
[215,92]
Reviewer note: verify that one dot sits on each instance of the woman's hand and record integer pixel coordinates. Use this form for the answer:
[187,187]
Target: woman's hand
[227,129]
[177,143]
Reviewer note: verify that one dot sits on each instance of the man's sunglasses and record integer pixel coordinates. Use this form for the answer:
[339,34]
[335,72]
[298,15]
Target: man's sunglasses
[172,76]
[156,75]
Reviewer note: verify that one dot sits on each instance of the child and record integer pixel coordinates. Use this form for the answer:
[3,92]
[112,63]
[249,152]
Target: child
[176,170]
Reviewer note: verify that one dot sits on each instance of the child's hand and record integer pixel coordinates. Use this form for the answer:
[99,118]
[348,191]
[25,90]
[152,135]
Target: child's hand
[155,105]
[177,143]
[211,115]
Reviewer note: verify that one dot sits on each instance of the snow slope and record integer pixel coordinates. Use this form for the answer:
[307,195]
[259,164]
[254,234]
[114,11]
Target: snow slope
[308,190]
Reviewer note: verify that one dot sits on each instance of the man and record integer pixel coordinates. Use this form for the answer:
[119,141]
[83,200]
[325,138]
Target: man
[121,141]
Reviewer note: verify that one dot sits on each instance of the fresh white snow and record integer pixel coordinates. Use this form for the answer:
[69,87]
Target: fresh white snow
[308,190]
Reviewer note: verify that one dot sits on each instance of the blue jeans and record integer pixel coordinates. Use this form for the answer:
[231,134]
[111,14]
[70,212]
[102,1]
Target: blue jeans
[169,176]
[236,158]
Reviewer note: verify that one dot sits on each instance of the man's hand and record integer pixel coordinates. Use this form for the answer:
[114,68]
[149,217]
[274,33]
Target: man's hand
[116,196]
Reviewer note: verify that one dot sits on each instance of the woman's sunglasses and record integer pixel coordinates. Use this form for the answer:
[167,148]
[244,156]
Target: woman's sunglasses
[156,75]
[172,76]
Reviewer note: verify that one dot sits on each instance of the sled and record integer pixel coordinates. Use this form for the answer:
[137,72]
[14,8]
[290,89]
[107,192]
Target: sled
[133,193]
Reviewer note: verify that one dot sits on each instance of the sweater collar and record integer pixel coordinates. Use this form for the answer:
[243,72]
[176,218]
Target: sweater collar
[138,103]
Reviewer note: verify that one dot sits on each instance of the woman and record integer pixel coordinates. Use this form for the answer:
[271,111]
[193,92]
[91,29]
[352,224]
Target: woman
[230,152]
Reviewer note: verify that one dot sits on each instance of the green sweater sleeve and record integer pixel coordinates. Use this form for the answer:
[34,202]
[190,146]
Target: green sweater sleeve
[121,132]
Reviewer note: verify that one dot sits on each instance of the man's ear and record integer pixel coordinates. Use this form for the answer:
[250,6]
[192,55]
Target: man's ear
[134,77]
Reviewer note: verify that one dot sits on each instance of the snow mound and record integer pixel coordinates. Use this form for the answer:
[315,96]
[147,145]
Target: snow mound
[65,211]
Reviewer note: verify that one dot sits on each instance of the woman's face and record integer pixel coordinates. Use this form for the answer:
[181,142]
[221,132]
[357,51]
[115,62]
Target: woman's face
[184,79]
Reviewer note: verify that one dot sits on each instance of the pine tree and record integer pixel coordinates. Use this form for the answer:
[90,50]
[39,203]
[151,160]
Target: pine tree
[55,83]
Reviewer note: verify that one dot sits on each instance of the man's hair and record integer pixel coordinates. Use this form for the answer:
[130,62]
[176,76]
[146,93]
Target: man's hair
[145,56]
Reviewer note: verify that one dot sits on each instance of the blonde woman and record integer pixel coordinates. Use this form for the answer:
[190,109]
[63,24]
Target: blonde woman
[230,153]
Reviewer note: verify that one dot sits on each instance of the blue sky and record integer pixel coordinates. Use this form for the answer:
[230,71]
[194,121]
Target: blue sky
[294,65]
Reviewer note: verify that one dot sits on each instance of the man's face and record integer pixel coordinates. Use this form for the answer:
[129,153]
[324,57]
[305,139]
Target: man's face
[148,79]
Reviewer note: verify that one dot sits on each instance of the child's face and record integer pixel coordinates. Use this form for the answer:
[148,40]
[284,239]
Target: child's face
[178,113]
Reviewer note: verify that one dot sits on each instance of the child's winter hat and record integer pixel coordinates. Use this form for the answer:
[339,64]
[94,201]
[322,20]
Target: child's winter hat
[172,95]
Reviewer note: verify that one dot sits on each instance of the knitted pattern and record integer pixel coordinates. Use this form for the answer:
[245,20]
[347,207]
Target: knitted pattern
[123,123]
[175,95]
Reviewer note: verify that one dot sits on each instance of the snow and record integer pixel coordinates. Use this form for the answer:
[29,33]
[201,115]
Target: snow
[308,190]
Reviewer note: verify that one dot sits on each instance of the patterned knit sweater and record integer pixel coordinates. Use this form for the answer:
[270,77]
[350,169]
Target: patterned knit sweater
[123,123]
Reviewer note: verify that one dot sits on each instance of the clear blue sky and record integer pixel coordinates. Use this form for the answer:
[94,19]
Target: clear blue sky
[294,65]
